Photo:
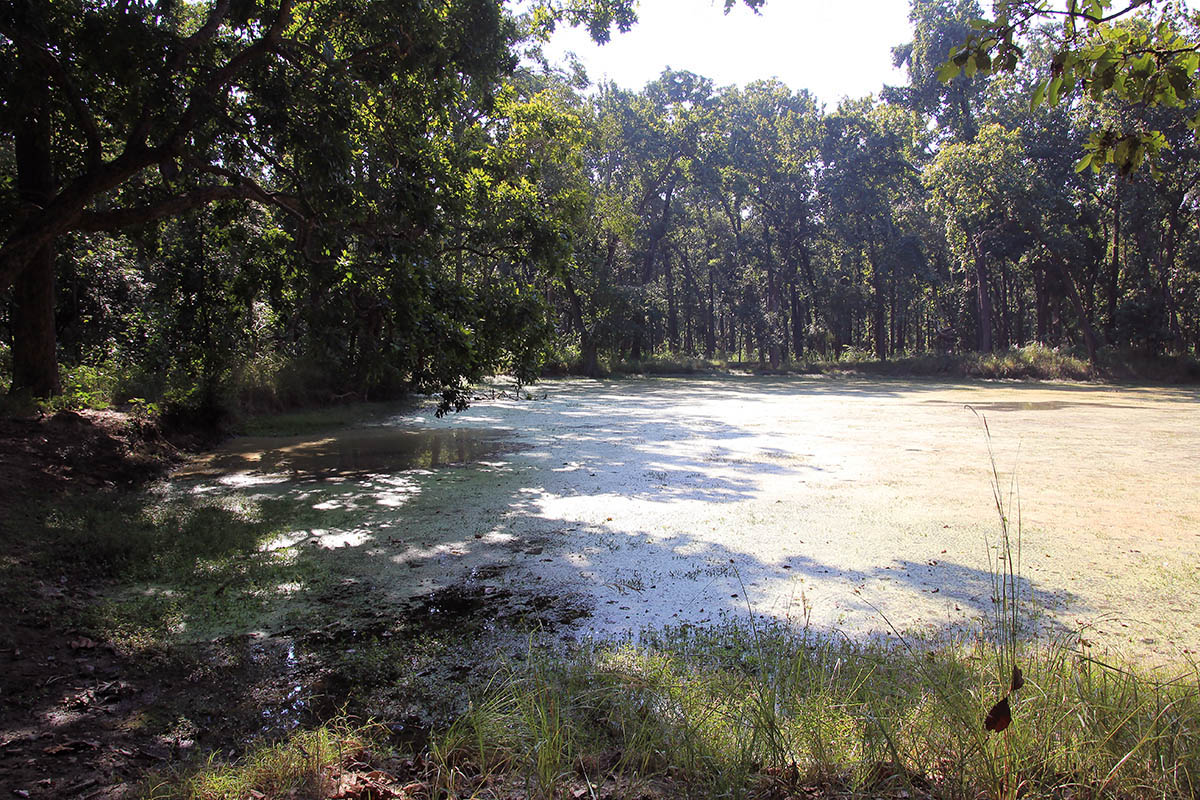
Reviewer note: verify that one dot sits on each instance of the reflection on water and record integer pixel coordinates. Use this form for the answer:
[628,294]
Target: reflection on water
[1029,405]
[351,452]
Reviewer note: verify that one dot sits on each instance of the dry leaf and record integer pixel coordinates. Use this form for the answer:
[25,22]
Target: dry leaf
[999,717]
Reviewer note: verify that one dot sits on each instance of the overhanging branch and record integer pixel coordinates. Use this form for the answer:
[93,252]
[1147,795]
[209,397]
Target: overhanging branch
[114,219]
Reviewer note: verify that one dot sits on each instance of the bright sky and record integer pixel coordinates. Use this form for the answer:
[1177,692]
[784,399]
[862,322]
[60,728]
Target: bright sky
[833,48]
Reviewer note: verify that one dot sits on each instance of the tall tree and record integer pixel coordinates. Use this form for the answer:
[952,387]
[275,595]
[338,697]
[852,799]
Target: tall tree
[126,113]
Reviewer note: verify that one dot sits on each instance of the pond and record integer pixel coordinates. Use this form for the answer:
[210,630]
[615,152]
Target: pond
[858,505]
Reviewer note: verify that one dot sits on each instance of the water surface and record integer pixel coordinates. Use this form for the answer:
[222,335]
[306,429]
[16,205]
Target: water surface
[859,505]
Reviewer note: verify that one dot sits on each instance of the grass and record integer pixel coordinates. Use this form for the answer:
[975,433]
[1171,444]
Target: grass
[179,566]
[722,712]
[670,364]
[1032,362]
[315,420]
[741,711]
[1036,362]
[310,765]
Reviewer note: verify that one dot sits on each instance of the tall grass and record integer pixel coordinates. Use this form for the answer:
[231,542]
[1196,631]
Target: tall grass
[1032,362]
[722,712]
[775,712]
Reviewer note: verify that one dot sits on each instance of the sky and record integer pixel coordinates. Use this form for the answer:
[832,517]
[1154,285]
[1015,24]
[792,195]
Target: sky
[833,48]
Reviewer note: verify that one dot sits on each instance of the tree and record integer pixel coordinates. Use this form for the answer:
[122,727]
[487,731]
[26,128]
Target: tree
[125,113]
[938,25]
[866,170]
[1104,48]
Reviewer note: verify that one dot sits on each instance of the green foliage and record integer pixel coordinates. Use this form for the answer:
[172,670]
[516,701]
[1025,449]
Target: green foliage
[359,232]
[396,185]
[1105,50]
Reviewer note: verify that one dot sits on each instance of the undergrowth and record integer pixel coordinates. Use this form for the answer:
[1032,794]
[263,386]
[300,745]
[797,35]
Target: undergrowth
[777,711]
[717,712]
[310,765]
[1031,362]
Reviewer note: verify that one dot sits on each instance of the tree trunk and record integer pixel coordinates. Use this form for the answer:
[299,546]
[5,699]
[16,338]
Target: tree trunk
[798,324]
[1114,270]
[34,345]
[1165,268]
[656,233]
[1042,305]
[878,308]
[672,304]
[710,332]
[1020,293]
[775,354]
[587,342]
[1085,325]
[983,300]
[1005,314]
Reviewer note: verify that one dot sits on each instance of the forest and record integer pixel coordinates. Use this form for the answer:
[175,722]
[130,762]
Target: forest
[766,528]
[266,204]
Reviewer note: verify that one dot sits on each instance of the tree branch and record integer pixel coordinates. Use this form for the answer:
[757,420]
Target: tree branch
[290,203]
[206,32]
[203,95]
[42,57]
[116,218]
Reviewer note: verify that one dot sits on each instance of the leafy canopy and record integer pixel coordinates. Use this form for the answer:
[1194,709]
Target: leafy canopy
[1132,52]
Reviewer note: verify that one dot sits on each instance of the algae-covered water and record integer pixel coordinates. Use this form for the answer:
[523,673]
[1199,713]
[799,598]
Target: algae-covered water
[864,506]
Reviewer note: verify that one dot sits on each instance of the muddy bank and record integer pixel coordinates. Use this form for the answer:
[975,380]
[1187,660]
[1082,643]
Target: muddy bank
[79,451]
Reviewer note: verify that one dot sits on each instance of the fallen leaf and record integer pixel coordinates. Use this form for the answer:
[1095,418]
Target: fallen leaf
[999,717]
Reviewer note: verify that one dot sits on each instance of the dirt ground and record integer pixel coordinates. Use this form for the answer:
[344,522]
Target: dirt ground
[57,685]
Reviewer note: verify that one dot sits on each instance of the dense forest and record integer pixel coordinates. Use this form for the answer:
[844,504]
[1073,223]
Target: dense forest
[268,202]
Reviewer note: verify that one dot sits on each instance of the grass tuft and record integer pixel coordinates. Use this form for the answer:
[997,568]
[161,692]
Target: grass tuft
[310,765]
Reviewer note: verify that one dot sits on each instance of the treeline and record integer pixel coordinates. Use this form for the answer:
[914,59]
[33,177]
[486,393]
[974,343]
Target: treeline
[286,202]
[754,224]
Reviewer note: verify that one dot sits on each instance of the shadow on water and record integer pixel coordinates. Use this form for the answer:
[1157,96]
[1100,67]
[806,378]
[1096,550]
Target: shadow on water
[395,526]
